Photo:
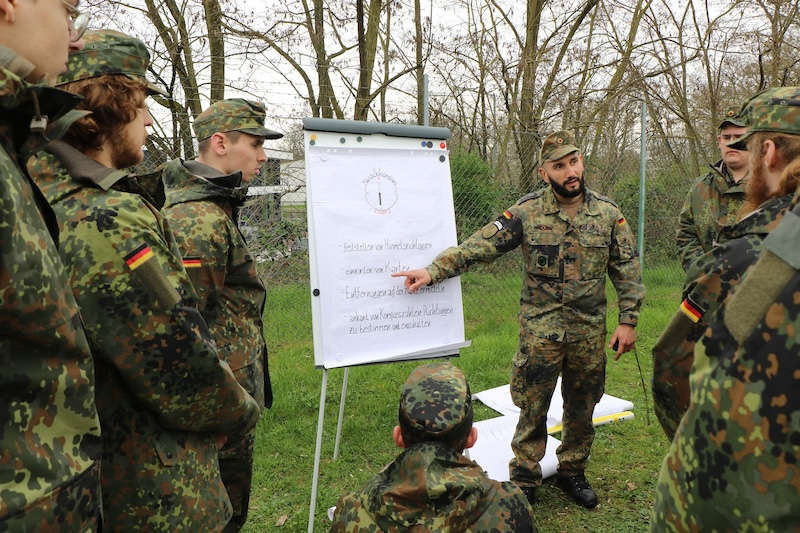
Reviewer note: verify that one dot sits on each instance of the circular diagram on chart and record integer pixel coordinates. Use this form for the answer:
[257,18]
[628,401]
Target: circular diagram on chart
[380,191]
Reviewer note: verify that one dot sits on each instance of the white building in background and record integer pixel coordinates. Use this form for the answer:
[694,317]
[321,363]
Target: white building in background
[282,177]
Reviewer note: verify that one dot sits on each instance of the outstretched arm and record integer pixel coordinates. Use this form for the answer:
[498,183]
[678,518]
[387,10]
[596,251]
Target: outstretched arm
[415,279]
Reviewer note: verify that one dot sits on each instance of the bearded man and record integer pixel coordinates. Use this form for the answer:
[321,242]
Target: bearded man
[571,237]
[733,462]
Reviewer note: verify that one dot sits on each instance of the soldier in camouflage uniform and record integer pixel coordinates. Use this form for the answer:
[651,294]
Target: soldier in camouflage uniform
[202,202]
[708,217]
[732,465]
[713,204]
[716,198]
[163,394]
[431,486]
[571,237]
[49,430]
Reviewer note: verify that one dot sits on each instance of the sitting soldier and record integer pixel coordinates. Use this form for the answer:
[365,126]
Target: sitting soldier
[431,486]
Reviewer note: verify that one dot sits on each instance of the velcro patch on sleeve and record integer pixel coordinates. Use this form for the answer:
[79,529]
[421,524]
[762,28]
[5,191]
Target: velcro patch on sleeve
[491,229]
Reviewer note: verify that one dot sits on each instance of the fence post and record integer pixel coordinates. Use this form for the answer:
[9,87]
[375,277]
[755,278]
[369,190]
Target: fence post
[642,170]
[425,105]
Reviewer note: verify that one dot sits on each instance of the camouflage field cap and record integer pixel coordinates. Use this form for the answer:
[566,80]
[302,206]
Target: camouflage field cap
[435,398]
[776,109]
[233,114]
[557,145]
[109,52]
[731,116]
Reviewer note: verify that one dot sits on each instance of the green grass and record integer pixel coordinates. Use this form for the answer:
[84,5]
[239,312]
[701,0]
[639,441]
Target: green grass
[626,456]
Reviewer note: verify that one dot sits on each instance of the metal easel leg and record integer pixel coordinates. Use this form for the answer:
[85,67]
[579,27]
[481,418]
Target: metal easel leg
[318,450]
[341,414]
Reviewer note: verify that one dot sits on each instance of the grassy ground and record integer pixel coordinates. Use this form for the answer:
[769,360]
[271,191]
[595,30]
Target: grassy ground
[626,456]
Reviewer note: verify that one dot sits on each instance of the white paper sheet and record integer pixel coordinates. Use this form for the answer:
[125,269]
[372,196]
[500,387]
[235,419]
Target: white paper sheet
[373,212]
[493,448]
[499,399]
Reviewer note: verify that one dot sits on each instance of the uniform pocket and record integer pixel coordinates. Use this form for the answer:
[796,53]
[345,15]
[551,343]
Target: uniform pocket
[518,381]
[594,255]
[544,259]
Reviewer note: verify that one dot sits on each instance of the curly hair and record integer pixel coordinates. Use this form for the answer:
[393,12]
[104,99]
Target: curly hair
[113,100]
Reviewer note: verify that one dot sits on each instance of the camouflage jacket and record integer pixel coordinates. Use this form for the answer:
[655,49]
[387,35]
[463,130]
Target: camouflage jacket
[733,464]
[429,488]
[711,277]
[199,208]
[712,204]
[709,281]
[49,430]
[162,389]
[566,261]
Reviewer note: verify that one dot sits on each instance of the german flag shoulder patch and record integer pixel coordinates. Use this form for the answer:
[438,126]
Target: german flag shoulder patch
[138,256]
[192,262]
[691,310]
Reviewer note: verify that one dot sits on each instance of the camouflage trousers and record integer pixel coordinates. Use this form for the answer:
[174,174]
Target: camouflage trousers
[673,356]
[236,470]
[537,364]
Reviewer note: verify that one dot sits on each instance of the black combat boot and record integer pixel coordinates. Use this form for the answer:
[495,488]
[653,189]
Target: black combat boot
[578,488]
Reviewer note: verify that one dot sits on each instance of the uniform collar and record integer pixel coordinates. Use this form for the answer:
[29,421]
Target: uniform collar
[229,181]
[83,168]
[189,181]
[721,169]
[28,111]
[551,205]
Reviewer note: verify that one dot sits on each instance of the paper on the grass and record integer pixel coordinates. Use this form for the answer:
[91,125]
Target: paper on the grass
[493,448]
[499,399]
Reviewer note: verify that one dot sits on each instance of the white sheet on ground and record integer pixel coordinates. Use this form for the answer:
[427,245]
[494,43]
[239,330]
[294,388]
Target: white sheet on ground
[499,399]
[493,448]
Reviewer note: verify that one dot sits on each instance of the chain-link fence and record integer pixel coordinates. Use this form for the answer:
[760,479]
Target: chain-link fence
[274,221]
[276,227]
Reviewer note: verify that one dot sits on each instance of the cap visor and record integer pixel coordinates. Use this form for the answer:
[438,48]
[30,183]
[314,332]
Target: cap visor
[741,142]
[560,152]
[737,123]
[262,132]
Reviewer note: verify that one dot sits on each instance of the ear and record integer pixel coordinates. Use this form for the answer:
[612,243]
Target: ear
[219,143]
[9,9]
[471,438]
[397,435]
[543,174]
[771,156]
